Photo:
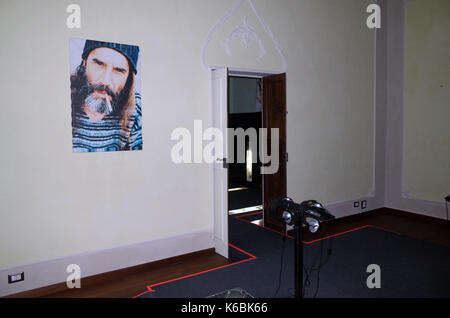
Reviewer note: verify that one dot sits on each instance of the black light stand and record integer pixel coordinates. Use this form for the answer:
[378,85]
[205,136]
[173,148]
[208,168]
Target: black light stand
[298,256]
[447,200]
[294,214]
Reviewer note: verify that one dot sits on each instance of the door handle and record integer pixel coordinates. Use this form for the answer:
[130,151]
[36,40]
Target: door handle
[224,160]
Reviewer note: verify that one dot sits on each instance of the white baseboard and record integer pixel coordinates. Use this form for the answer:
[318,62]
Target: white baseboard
[53,271]
[420,206]
[412,205]
[346,208]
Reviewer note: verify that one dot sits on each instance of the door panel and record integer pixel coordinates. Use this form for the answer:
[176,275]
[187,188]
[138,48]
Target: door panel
[220,174]
[274,116]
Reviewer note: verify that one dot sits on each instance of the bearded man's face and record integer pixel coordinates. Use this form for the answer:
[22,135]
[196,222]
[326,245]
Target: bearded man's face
[107,72]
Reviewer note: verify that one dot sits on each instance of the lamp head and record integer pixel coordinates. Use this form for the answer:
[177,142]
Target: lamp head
[288,218]
[310,212]
[313,224]
[317,210]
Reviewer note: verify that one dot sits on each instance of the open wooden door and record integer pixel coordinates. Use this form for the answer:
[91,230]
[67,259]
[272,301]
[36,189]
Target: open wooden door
[220,175]
[274,116]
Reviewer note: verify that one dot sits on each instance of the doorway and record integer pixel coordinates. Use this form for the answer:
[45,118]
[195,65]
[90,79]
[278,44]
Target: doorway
[266,109]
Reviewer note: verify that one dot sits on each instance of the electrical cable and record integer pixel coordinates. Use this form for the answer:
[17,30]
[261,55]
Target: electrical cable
[308,271]
[330,249]
[318,272]
[319,268]
[281,264]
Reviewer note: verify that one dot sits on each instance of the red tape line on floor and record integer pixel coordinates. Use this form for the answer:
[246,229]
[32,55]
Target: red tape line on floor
[241,216]
[251,258]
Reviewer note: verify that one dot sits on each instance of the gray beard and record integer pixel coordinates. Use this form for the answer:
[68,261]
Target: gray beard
[98,105]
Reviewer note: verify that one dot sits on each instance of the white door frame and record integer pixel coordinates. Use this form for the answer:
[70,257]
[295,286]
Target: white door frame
[220,218]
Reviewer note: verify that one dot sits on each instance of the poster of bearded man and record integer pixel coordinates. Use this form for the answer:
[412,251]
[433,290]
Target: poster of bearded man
[106,99]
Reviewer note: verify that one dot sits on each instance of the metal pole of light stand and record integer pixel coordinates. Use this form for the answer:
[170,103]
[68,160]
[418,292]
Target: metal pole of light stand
[298,258]
[447,200]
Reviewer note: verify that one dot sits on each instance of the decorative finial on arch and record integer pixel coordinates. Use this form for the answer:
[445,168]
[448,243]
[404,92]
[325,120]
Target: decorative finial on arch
[245,32]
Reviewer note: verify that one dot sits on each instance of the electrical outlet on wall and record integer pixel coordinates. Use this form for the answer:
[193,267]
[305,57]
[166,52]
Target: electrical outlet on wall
[363,204]
[16,278]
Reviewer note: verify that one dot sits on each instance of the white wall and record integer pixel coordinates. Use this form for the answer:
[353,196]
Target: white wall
[58,205]
[417,147]
[426,151]
[330,102]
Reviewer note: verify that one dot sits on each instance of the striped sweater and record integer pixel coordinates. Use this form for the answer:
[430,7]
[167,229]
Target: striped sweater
[107,135]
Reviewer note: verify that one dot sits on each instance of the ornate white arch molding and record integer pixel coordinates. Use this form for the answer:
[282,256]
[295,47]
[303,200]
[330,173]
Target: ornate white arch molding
[245,32]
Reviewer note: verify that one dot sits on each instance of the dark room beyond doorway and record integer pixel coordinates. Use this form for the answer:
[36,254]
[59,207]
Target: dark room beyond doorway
[245,111]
